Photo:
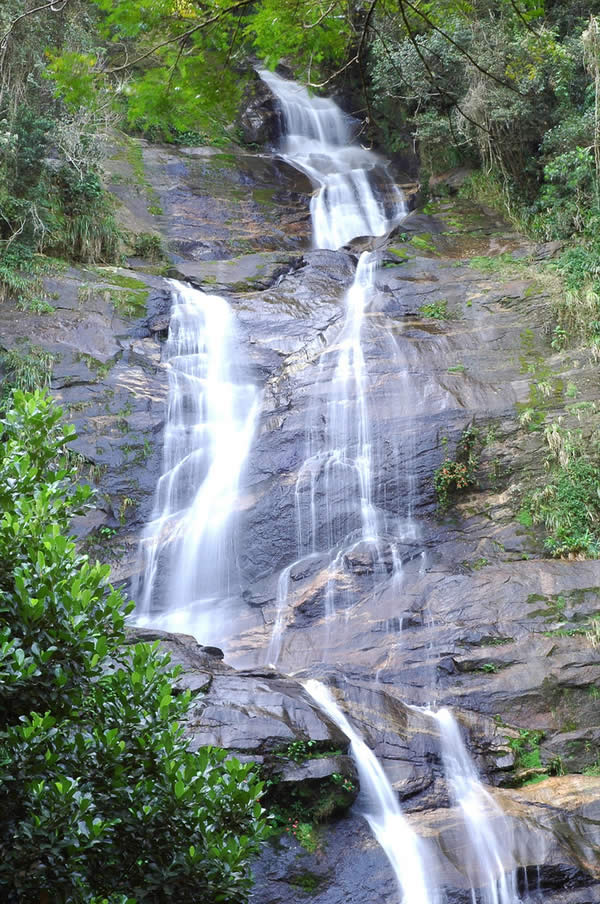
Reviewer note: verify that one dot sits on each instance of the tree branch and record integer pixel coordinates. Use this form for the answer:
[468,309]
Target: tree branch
[233,40]
[174,66]
[320,19]
[339,71]
[182,35]
[359,57]
[432,76]
[523,19]
[52,5]
[392,63]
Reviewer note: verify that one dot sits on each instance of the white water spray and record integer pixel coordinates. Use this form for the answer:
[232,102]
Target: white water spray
[340,455]
[283,585]
[188,550]
[487,861]
[402,846]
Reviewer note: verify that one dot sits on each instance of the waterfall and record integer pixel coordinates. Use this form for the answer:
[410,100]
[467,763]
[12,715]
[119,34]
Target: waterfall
[488,855]
[187,552]
[335,510]
[402,846]
[356,195]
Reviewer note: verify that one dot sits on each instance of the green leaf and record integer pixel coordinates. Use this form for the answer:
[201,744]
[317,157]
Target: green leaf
[179,789]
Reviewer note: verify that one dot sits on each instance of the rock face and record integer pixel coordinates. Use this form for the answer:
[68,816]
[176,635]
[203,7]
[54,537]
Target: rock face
[259,120]
[264,717]
[461,610]
[349,866]
[252,712]
[220,205]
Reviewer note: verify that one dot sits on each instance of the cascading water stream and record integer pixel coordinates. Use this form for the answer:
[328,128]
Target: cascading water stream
[335,508]
[487,861]
[356,195]
[343,455]
[334,489]
[187,550]
[403,847]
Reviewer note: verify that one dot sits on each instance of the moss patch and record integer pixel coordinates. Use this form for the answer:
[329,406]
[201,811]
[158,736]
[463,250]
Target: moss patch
[100,369]
[128,295]
[401,253]
[423,242]
[306,881]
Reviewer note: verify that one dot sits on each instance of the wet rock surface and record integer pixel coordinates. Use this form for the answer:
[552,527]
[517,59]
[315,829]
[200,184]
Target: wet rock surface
[220,205]
[259,120]
[476,618]
[350,867]
[106,374]
[251,712]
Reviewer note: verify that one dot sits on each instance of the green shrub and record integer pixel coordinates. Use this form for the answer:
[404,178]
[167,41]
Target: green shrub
[436,310]
[567,200]
[51,197]
[148,245]
[100,796]
[568,505]
[455,475]
[84,227]
[526,751]
[20,277]
[15,284]
[27,368]
[448,478]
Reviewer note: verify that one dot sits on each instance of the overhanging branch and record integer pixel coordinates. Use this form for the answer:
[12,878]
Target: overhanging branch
[55,6]
[182,35]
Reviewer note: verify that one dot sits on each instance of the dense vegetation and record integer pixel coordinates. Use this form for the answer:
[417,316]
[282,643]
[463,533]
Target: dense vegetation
[568,505]
[512,88]
[100,797]
[50,193]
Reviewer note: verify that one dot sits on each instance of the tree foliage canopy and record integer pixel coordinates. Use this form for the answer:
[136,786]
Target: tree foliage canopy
[510,86]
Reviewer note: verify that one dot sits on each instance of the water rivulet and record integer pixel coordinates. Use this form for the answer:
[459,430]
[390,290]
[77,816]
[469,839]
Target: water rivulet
[403,848]
[489,861]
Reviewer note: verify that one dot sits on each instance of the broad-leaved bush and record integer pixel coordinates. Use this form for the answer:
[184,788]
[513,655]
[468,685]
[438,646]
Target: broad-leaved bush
[101,798]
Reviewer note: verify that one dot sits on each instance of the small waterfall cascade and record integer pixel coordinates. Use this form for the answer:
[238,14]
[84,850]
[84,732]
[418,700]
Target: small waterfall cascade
[187,550]
[356,195]
[488,854]
[340,455]
[402,846]
[336,514]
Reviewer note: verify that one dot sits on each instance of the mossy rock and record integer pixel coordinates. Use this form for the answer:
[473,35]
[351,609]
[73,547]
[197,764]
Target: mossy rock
[314,791]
